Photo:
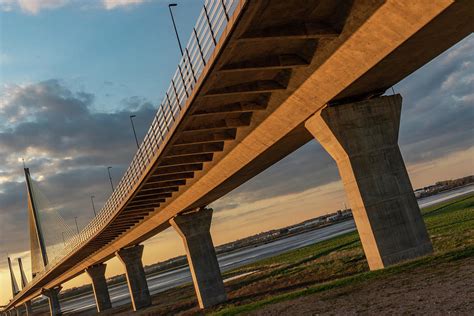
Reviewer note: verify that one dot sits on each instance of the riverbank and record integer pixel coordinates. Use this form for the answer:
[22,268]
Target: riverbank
[337,268]
[434,285]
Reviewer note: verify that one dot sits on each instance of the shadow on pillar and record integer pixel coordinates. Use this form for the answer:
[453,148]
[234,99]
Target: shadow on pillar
[136,278]
[194,230]
[28,309]
[52,295]
[99,285]
[362,138]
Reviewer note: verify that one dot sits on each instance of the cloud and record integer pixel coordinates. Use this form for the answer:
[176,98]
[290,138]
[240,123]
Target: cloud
[35,6]
[31,6]
[114,4]
[437,121]
[438,106]
[66,145]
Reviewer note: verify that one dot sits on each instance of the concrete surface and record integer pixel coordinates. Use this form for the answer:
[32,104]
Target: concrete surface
[99,285]
[194,230]
[249,106]
[362,138]
[52,295]
[136,279]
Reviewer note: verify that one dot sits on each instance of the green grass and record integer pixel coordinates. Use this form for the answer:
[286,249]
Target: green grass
[450,225]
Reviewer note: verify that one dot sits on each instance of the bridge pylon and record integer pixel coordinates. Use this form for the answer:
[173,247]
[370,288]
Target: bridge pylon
[39,257]
[15,288]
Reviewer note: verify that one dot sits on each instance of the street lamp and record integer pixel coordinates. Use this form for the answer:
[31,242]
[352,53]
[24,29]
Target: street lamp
[93,206]
[174,25]
[134,132]
[110,178]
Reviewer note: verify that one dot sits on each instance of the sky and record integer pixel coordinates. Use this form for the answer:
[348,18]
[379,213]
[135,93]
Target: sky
[72,72]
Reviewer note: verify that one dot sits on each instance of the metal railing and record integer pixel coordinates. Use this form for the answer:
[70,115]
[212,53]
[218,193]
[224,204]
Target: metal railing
[209,28]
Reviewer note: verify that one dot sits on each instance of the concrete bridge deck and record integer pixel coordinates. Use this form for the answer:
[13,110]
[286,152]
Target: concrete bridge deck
[275,64]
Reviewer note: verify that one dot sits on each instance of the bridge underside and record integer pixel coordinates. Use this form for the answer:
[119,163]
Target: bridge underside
[277,64]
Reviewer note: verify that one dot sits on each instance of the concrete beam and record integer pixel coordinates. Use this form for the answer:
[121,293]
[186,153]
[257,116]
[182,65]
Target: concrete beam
[267,62]
[199,137]
[176,161]
[173,176]
[99,285]
[236,107]
[194,230]
[300,30]
[158,191]
[177,169]
[203,124]
[136,278]
[259,86]
[149,197]
[52,295]
[166,184]
[362,138]
[153,203]
[191,149]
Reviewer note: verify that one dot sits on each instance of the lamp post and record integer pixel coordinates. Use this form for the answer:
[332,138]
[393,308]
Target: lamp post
[174,25]
[134,132]
[93,206]
[110,178]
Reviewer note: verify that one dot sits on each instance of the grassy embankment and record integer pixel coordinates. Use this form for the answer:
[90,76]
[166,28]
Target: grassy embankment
[340,262]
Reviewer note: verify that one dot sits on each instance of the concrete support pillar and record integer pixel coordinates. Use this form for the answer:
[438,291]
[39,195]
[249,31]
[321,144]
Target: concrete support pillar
[28,309]
[99,285]
[52,295]
[136,278]
[194,230]
[362,138]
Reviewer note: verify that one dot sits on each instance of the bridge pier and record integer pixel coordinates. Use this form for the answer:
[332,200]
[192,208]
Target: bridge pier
[28,308]
[194,230]
[362,137]
[52,295]
[99,285]
[136,278]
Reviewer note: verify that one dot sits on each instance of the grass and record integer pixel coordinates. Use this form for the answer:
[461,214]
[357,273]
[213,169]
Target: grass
[340,261]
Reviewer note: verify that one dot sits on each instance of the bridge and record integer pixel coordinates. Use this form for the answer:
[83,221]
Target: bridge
[257,80]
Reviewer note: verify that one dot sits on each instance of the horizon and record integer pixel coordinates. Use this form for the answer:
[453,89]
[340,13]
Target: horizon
[69,121]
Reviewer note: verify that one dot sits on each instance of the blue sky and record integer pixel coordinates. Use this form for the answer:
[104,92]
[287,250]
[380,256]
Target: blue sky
[114,53]
[72,72]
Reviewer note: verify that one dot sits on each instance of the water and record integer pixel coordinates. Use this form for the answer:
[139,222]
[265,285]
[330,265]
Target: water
[169,279]
[440,197]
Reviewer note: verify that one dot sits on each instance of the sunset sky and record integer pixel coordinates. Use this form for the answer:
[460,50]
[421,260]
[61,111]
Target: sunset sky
[72,72]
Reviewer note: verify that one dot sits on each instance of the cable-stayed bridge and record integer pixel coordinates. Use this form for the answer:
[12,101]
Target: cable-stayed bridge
[259,79]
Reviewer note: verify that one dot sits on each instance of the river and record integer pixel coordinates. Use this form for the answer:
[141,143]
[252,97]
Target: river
[169,279]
